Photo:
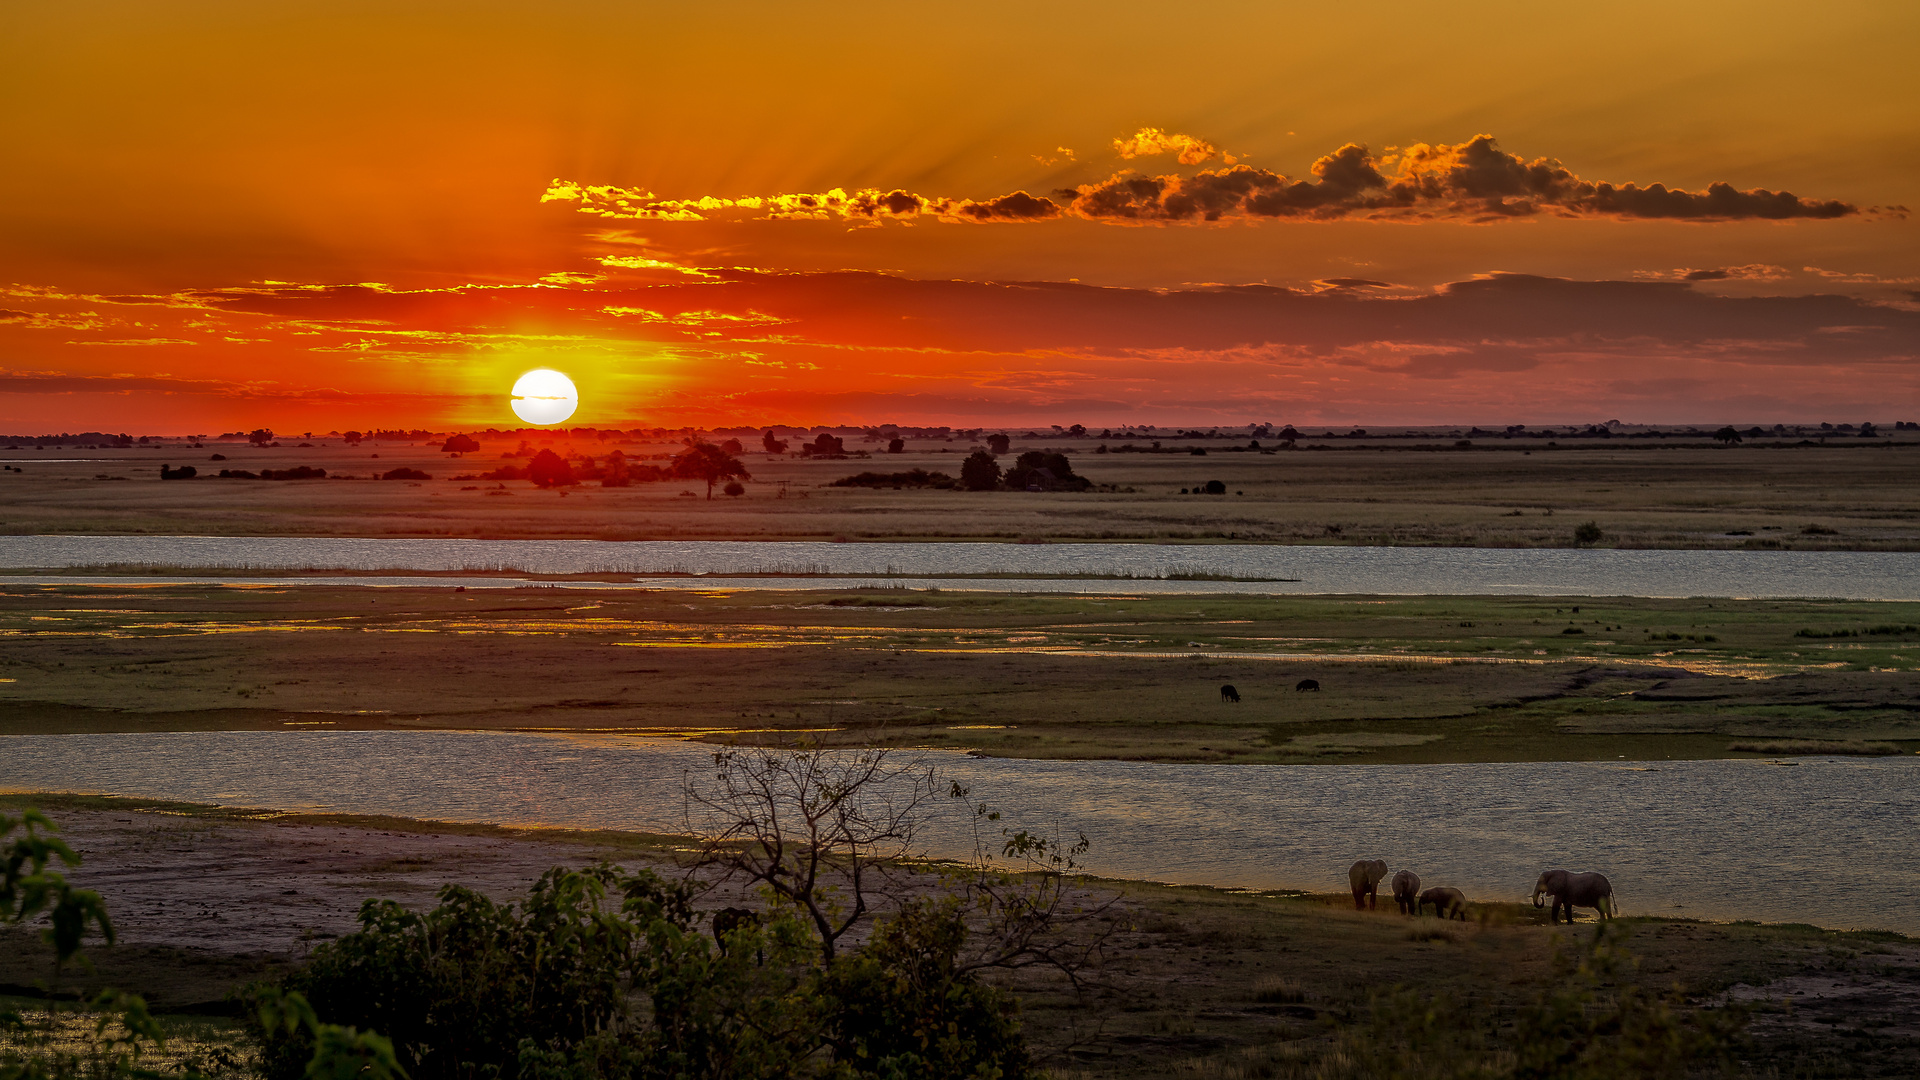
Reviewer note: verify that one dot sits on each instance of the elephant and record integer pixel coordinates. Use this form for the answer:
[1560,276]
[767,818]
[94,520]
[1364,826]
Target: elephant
[1570,890]
[1365,879]
[1307,684]
[1448,903]
[729,919]
[1406,890]
[1228,693]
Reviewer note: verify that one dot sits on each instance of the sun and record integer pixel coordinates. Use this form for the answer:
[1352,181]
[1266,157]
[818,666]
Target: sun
[544,396]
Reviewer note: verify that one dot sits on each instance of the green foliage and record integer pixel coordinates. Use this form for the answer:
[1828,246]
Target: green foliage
[904,1008]
[29,890]
[604,975]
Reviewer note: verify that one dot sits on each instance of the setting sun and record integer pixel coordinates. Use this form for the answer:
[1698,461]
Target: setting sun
[544,396]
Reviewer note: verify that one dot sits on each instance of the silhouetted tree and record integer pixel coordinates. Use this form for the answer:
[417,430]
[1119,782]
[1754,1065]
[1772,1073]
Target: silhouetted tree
[260,436]
[548,469]
[704,461]
[732,446]
[1045,470]
[459,444]
[1587,533]
[773,445]
[998,444]
[895,446]
[1727,435]
[615,474]
[734,489]
[825,445]
[979,472]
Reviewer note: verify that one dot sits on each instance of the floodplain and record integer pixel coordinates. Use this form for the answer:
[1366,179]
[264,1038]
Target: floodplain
[1401,679]
[1418,488]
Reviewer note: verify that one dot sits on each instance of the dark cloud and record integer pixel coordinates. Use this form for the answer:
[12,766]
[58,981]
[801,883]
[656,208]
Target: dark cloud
[1017,206]
[1474,180]
[1354,283]
[1707,275]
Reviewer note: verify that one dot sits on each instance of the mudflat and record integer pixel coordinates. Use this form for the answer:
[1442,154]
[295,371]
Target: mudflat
[1423,488]
[1401,679]
[1191,981]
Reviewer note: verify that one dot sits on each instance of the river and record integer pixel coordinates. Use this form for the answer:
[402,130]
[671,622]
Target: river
[1821,840]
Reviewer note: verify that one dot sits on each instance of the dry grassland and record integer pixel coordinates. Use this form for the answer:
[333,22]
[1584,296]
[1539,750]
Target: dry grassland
[1853,494]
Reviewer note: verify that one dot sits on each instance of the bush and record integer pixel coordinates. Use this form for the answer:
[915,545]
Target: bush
[548,469]
[734,489]
[1588,533]
[919,478]
[1048,472]
[308,472]
[404,474]
[604,975]
[979,472]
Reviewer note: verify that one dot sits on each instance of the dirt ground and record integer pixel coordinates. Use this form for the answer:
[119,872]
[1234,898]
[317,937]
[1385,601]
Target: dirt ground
[1193,981]
[1403,679]
[1683,492]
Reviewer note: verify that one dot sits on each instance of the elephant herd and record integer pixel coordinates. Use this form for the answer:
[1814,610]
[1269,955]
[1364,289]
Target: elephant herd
[1567,889]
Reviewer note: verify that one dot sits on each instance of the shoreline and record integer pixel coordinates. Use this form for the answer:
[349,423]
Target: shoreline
[667,846]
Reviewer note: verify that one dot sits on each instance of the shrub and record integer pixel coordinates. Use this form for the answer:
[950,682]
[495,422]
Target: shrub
[919,478]
[1047,471]
[734,489]
[548,469]
[308,472]
[979,472]
[1587,533]
[404,473]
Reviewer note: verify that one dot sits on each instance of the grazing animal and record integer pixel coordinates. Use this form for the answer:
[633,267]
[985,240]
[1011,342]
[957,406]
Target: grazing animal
[1365,879]
[1307,684]
[1406,892]
[1570,890]
[1448,903]
[729,919]
[1228,693]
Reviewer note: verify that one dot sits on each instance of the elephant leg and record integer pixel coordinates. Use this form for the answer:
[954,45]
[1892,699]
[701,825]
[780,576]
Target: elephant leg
[1359,898]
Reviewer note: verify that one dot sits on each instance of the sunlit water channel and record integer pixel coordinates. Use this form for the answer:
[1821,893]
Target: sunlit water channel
[1826,841]
[1254,568]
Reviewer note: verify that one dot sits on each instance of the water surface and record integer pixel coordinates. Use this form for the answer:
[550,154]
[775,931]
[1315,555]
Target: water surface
[1272,569]
[1826,841]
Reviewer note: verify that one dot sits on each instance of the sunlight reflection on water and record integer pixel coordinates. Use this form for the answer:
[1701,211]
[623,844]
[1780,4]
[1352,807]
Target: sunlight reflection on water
[1826,841]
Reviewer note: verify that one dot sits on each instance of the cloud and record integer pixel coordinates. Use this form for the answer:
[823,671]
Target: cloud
[1148,142]
[1470,181]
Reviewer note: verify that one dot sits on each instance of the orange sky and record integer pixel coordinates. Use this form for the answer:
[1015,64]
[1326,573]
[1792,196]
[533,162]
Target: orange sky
[217,216]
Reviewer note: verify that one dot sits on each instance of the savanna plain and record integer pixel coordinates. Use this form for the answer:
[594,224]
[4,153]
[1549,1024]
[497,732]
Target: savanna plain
[1136,979]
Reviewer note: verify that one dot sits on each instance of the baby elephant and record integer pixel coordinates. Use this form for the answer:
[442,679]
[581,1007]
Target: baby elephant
[1406,892]
[1448,903]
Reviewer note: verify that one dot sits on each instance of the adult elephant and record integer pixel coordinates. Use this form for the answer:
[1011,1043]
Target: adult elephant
[1406,892]
[1365,878]
[1570,890]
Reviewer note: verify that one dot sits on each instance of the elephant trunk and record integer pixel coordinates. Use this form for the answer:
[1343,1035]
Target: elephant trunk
[1537,890]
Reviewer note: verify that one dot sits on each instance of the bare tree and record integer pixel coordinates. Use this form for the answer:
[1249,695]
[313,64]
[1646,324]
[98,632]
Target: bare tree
[816,827]
[835,834]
